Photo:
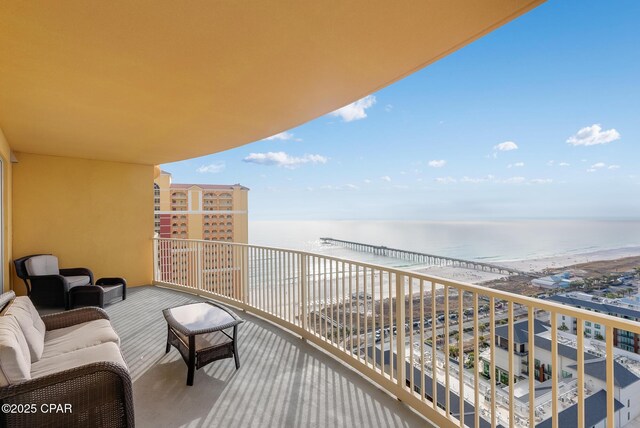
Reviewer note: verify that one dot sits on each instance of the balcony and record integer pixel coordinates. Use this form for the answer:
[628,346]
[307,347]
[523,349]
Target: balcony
[355,312]
[88,113]
[283,381]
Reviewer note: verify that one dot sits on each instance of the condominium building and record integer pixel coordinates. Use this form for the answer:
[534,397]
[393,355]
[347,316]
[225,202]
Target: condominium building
[620,308]
[212,212]
[626,376]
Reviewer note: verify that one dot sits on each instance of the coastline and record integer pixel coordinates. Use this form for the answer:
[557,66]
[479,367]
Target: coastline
[533,265]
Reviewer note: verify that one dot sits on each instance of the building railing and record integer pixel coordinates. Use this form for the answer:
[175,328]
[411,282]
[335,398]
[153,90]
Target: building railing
[384,323]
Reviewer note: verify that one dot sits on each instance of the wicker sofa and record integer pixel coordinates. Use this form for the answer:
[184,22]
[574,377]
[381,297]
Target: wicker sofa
[70,360]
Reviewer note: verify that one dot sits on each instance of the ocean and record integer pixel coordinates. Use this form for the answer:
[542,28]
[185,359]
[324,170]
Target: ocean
[489,241]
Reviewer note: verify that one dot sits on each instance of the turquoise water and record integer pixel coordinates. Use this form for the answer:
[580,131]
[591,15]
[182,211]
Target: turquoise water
[489,241]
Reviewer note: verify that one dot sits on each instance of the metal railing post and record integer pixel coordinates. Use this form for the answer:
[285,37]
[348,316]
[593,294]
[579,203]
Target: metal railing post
[302,281]
[244,273]
[156,265]
[199,272]
[400,338]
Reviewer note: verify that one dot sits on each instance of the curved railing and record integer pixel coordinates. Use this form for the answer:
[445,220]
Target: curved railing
[372,317]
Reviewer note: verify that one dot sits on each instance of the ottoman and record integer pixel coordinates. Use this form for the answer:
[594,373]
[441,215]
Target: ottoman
[104,291]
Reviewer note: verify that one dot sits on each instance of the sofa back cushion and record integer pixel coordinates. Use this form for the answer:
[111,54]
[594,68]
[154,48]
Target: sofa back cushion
[31,324]
[15,361]
[42,265]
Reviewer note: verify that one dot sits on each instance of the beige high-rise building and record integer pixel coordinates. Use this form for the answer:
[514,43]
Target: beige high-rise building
[213,212]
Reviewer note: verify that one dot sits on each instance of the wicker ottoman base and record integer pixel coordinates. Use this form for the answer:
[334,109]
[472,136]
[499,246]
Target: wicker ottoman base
[105,291]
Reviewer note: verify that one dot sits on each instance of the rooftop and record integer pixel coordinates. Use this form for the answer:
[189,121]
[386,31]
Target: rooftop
[282,380]
[597,306]
[596,412]
[208,186]
[521,330]
[597,368]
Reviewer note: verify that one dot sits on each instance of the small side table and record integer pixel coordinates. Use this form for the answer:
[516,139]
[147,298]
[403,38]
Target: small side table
[186,327]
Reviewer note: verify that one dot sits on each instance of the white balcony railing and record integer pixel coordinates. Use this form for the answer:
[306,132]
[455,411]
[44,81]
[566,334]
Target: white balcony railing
[373,317]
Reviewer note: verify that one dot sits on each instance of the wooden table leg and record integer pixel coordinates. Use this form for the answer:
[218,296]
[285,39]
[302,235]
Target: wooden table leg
[192,360]
[235,346]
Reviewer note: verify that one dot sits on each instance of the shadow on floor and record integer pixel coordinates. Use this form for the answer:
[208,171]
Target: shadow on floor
[282,381]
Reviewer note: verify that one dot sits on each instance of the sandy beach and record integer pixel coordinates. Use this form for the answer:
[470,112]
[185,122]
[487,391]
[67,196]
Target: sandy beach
[533,265]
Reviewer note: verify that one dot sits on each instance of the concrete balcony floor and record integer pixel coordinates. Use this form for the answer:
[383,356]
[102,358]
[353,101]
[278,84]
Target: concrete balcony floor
[282,382]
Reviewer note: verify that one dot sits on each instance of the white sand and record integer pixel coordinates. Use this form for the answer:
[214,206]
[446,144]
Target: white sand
[459,274]
[534,265]
[572,259]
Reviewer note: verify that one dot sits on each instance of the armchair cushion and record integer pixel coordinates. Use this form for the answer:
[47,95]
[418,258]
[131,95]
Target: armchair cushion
[15,359]
[30,323]
[74,281]
[106,352]
[83,335]
[42,265]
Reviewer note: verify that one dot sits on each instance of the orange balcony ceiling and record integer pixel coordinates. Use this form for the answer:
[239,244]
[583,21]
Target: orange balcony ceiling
[157,81]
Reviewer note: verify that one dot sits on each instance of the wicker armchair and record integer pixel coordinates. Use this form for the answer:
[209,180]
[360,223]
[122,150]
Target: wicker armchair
[97,394]
[52,288]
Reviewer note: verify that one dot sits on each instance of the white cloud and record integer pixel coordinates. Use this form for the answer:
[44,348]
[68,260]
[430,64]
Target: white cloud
[212,168]
[516,165]
[551,163]
[356,110]
[283,159]
[466,179]
[342,187]
[514,180]
[541,181]
[445,180]
[385,178]
[563,164]
[592,135]
[477,179]
[613,167]
[598,165]
[366,181]
[281,136]
[388,107]
[437,163]
[506,146]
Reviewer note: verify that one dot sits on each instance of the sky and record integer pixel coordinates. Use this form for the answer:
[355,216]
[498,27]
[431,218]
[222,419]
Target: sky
[538,119]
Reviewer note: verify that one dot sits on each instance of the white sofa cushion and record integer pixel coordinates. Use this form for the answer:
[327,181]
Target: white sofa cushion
[109,352]
[42,265]
[31,324]
[24,301]
[15,360]
[69,339]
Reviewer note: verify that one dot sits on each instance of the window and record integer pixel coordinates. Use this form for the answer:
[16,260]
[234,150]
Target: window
[597,326]
[587,323]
